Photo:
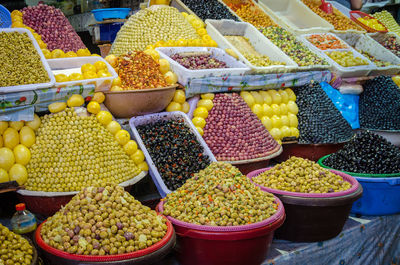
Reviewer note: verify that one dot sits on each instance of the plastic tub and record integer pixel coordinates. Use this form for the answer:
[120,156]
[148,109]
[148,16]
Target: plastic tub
[145,256]
[354,15]
[312,217]
[217,29]
[381,194]
[5,17]
[234,245]
[130,103]
[10,89]
[109,13]
[367,44]
[73,65]
[48,203]
[151,118]
[379,37]
[185,75]
[295,16]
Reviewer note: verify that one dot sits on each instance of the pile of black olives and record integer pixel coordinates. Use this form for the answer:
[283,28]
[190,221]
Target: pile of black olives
[319,120]
[380,105]
[174,149]
[367,153]
[210,9]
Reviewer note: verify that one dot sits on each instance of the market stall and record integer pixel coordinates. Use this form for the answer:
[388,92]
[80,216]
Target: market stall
[258,132]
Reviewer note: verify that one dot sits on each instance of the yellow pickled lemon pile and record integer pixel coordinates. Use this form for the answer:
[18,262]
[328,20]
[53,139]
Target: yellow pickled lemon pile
[16,137]
[73,152]
[148,26]
[388,20]
[277,110]
[200,114]
[58,53]
[17,22]
[372,23]
[88,71]
[178,102]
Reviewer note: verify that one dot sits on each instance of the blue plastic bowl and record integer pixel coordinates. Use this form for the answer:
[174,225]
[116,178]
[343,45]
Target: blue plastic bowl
[110,13]
[381,196]
[5,17]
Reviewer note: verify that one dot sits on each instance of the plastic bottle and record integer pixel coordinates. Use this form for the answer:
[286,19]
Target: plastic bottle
[23,221]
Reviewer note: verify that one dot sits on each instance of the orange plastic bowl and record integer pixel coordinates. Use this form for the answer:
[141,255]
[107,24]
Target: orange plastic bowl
[357,14]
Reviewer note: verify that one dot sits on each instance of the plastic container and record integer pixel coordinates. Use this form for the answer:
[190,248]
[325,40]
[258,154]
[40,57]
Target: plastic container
[381,194]
[233,245]
[367,44]
[354,15]
[48,203]
[217,29]
[73,65]
[295,16]
[10,89]
[130,103]
[141,257]
[185,75]
[380,37]
[312,217]
[109,13]
[23,221]
[107,31]
[5,17]
[151,118]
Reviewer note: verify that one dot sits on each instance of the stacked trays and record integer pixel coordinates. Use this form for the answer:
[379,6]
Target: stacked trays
[360,70]
[185,75]
[163,116]
[295,16]
[43,60]
[366,44]
[217,29]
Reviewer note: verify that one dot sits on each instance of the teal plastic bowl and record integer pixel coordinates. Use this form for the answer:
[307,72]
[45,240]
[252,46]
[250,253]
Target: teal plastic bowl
[109,13]
[381,192]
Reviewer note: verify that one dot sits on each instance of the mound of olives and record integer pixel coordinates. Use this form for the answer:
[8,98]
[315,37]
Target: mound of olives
[219,195]
[301,175]
[103,221]
[14,249]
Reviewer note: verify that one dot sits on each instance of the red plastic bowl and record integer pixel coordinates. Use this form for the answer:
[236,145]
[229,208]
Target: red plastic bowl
[247,244]
[106,258]
[357,14]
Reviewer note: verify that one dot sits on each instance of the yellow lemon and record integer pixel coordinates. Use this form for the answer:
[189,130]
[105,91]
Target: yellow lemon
[138,157]
[276,109]
[46,53]
[201,31]
[267,110]
[266,121]
[171,77]
[93,107]
[87,67]
[276,121]
[130,147]
[116,82]
[17,125]
[57,107]
[291,94]
[113,127]
[22,154]
[103,73]
[99,97]
[104,117]
[57,53]
[285,120]
[71,54]
[10,138]
[42,45]
[276,133]
[100,65]
[201,112]
[200,130]
[266,97]
[116,88]
[4,176]
[18,173]
[95,54]
[292,107]
[185,107]
[34,125]
[83,52]
[285,131]
[60,78]
[27,136]
[143,166]
[207,103]
[7,158]
[293,121]
[207,96]
[89,75]
[75,100]
[257,109]
[199,122]
[122,137]
[174,106]
[284,108]
[294,132]
[75,77]
[284,96]
[248,98]
[179,96]
[3,126]
[257,97]
[164,66]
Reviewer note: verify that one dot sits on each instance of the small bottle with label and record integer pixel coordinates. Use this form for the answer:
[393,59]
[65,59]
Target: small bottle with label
[23,221]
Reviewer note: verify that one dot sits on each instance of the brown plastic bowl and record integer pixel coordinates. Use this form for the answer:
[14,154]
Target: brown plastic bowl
[130,103]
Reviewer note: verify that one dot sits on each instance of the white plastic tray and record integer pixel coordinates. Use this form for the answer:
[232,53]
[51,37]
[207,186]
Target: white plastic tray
[64,65]
[381,36]
[365,43]
[152,118]
[217,29]
[185,75]
[304,37]
[353,71]
[10,89]
[295,16]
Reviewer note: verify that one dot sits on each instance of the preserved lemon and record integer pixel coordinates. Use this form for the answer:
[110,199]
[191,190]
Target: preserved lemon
[18,173]
[57,107]
[3,126]
[75,101]
[113,127]
[122,137]
[22,154]
[10,138]
[17,125]
[4,176]
[104,117]
[6,158]
[35,123]
[130,147]
[27,136]
[93,107]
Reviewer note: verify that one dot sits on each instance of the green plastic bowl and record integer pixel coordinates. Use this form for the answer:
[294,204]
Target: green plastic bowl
[354,174]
